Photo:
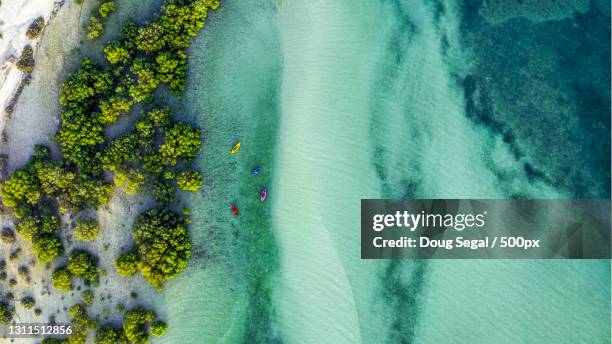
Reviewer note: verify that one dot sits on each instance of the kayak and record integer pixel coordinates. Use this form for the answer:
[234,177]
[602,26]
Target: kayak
[235,148]
[264,194]
[234,209]
[256,171]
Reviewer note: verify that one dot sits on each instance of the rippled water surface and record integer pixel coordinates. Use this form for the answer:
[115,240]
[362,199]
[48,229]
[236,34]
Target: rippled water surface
[343,100]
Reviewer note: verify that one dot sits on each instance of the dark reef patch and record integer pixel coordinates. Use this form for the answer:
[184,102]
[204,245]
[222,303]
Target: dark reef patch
[544,86]
[403,296]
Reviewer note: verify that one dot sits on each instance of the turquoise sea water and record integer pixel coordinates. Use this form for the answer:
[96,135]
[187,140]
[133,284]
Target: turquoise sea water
[344,100]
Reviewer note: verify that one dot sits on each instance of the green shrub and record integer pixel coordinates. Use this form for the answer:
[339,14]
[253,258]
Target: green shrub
[150,38]
[116,53]
[81,323]
[80,318]
[36,28]
[163,245]
[182,141]
[131,180]
[106,9]
[158,328]
[23,271]
[26,61]
[88,297]
[111,109]
[61,279]
[84,264]
[30,227]
[120,150]
[134,323]
[95,29]
[127,264]
[163,192]
[21,188]
[86,229]
[47,247]
[54,179]
[6,313]
[107,334]
[146,81]
[50,340]
[189,181]
[172,70]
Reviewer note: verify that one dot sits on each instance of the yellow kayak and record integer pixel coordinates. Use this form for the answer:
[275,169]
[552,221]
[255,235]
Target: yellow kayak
[236,148]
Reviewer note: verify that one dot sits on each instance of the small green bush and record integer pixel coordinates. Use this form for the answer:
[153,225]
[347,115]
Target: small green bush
[163,192]
[163,245]
[95,29]
[88,297]
[6,312]
[127,264]
[26,61]
[47,247]
[86,229]
[131,180]
[133,324]
[158,328]
[84,264]
[107,334]
[61,279]
[189,181]
[115,53]
[107,8]
[36,28]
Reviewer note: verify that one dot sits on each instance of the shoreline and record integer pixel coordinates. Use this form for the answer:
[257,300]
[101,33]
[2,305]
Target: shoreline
[16,17]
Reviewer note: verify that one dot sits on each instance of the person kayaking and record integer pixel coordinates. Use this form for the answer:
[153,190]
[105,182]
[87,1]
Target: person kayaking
[256,171]
[234,210]
[236,148]
[263,194]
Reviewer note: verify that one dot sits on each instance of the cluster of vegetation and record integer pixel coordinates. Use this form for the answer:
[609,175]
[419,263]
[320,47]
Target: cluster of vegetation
[61,279]
[95,28]
[153,157]
[26,61]
[81,323]
[8,236]
[35,28]
[138,325]
[88,297]
[86,229]
[135,324]
[6,311]
[108,334]
[162,246]
[83,264]
[127,263]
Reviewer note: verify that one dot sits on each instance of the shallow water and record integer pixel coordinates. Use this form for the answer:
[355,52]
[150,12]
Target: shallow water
[344,100]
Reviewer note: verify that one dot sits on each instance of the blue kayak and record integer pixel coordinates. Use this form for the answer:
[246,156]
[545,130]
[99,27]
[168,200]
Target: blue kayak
[255,171]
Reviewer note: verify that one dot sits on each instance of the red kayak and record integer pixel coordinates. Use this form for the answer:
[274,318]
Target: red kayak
[234,209]
[263,194]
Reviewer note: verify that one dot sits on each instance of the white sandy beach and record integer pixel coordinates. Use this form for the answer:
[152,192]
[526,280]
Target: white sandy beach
[15,18]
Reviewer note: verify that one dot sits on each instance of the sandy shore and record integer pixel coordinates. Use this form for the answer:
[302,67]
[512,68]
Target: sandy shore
[15,18]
